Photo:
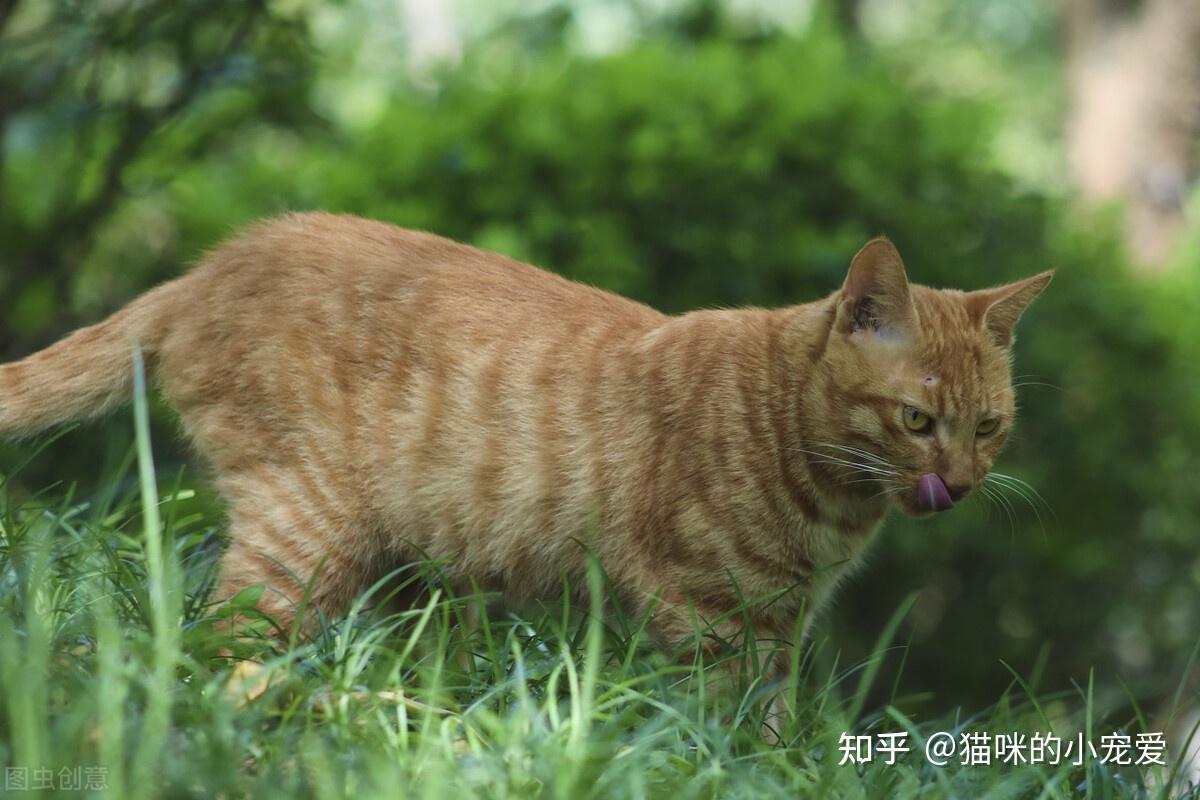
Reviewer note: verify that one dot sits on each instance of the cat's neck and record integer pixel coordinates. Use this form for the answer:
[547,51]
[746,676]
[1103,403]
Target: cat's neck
[807,385]
[736,388]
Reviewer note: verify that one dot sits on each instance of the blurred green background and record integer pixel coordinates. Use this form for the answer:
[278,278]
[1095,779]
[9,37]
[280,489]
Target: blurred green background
[698,154]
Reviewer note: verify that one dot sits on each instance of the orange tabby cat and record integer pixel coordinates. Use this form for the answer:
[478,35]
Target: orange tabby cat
[369,396]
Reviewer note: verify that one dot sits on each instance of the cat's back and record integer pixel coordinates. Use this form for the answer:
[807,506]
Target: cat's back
[324,288]
[299,315]
[303,259]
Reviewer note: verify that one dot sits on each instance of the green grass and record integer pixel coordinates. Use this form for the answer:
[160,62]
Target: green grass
[111,660]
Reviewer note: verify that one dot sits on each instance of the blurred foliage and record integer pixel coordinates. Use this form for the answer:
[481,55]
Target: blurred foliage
[100,103]
[703,168]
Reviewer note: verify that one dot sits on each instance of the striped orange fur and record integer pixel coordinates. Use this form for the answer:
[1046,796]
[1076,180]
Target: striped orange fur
[369,395]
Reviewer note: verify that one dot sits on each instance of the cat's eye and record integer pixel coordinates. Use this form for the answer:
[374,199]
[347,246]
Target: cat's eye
[917,421]
[987,427]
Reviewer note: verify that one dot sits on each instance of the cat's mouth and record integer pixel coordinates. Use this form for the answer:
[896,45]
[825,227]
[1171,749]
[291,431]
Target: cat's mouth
[930,495]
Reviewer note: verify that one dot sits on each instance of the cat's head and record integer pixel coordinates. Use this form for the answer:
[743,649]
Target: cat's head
[923,398]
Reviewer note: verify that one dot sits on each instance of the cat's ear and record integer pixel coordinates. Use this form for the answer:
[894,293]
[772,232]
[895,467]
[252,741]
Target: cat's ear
[999,309]
[875,294]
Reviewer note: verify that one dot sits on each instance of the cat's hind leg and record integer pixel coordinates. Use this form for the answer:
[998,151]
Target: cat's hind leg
[308,558]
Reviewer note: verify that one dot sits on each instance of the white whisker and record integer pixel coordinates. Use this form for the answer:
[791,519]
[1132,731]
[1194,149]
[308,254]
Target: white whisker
[1023,484]
[1001,483]
[1004,505]
[826,458]
[858,452]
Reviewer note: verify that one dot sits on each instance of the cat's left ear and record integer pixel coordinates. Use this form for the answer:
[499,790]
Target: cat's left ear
[999,309]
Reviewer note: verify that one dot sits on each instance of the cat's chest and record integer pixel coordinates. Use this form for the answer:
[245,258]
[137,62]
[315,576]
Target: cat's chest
[835,553]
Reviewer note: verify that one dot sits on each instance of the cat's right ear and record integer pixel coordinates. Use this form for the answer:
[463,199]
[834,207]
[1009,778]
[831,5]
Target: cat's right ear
[875,295]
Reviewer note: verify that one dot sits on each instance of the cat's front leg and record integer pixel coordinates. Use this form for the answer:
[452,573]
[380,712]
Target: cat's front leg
[744,657]
[779,656]
[777,678]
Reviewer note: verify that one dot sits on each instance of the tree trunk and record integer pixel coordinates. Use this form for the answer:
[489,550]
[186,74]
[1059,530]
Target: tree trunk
[1134,124]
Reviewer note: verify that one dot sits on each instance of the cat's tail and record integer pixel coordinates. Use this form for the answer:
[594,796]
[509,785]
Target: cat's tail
[85,374]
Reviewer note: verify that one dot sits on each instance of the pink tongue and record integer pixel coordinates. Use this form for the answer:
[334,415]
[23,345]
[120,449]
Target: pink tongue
[932,493]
